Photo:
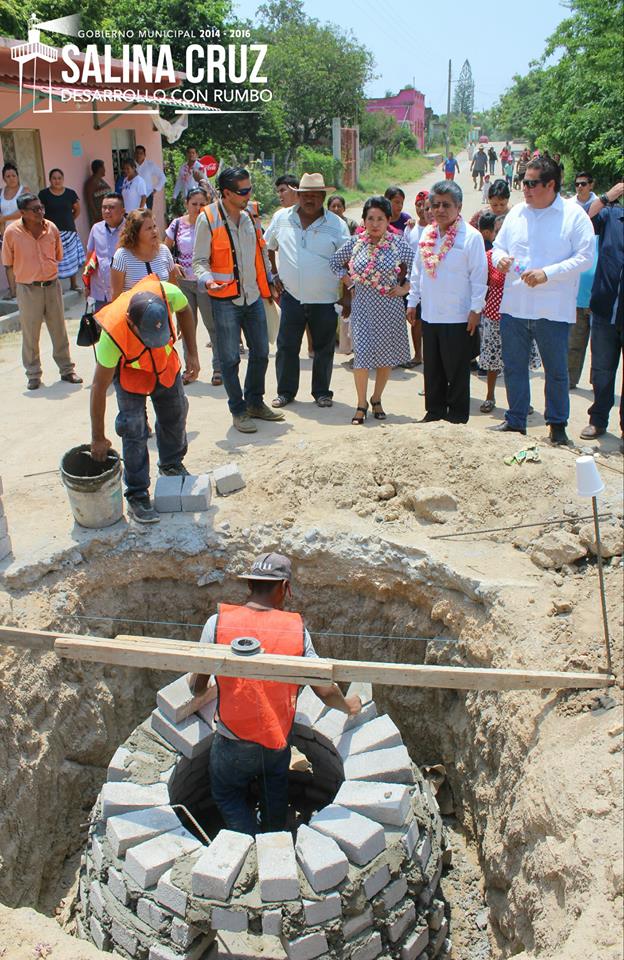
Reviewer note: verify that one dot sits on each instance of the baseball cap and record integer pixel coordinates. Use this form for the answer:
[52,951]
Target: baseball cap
[149,314]
[422,195]
[269,566]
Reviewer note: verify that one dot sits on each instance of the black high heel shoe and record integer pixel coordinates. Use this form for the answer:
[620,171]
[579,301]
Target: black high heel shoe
[358,421]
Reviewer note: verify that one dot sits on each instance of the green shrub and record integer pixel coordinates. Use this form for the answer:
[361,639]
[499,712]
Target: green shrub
[309,160]
[263,188]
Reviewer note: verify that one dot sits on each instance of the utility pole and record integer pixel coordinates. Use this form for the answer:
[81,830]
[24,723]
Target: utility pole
[448,113]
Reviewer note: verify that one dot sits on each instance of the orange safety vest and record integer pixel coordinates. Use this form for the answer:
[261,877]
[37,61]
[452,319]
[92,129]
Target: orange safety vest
[259,710]
[223,262]
[140,367]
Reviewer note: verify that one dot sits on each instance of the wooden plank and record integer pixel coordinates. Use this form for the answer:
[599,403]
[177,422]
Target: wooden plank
[181,656]
[40,640]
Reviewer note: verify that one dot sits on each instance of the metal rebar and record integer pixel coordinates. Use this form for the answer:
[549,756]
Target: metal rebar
[515,526]
[603,597]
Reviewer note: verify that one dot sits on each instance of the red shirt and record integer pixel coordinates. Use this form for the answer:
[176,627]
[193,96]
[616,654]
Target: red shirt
[496,282]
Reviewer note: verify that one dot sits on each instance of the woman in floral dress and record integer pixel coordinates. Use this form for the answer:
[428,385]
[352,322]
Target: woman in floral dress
[375,265]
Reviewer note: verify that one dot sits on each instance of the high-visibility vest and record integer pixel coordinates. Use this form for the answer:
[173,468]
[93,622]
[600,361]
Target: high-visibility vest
[223,263]
[140,367]
[253,209]
[259,710]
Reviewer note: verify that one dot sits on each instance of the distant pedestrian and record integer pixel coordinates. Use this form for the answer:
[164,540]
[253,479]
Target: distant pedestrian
[62,207]
[399,218]
[9,195]
[478,167]
[188,173]
[543,247]
[153,175]
[95,189]
[32,248]
[492,158]
[450,166]
[305,237]
[508,170]
[521,166]
[375,266]
[101,246]
[133,189]
[584,186]
[337,204]
[449,278]
[140,253]
[505,155]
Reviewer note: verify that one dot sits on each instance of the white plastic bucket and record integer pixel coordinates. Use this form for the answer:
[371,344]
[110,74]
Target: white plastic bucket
[93,488]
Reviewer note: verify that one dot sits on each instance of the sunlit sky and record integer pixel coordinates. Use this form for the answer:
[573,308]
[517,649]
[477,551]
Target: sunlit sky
[412,42]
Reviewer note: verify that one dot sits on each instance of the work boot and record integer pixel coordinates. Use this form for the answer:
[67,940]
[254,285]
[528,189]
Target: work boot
[244,423]
[141,509]
[173,470]
[34,383]
[558,435]
[264,413]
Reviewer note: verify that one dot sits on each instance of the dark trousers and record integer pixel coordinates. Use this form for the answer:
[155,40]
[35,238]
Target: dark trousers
[233,766]
[607,347]
[577,345]
[447,351]
[322,320]
[149,203]
[551,337]
[170,406]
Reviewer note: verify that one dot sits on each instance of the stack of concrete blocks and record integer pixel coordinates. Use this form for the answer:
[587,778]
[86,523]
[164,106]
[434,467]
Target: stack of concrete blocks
[5,541]
[192,494]
[359,882]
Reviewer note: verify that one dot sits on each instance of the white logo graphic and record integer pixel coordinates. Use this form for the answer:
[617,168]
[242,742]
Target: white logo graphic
[40,54]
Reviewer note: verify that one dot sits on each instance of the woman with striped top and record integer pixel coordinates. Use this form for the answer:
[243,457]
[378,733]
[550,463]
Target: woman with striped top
[140,252]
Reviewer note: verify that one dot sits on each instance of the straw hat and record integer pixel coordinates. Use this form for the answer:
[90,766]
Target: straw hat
[313,181]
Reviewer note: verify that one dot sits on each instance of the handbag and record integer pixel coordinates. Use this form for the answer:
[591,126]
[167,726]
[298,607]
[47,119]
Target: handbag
[88,331]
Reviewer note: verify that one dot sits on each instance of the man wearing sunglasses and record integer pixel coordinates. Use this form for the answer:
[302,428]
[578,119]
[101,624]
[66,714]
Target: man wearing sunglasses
[583,184]
[543,246]
[230,261]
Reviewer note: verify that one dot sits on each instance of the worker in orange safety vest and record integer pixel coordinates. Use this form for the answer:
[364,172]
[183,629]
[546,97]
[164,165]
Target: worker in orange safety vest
[255,717]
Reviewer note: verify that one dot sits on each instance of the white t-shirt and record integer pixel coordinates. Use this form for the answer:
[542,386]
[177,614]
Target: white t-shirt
[132,191]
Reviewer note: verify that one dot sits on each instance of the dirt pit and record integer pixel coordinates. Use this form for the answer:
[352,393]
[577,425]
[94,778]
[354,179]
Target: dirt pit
[533,780]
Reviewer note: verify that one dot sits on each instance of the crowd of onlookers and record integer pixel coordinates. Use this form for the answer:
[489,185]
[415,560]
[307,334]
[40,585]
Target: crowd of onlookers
[510,290]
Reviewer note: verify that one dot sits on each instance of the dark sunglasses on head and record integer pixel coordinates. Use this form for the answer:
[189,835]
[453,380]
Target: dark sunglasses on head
[530,183]
[583,183]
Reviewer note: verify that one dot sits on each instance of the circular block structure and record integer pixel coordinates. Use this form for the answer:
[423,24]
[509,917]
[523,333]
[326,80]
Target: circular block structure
[355,876]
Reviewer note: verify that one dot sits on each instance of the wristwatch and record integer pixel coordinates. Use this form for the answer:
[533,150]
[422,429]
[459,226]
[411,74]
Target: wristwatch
[604,199]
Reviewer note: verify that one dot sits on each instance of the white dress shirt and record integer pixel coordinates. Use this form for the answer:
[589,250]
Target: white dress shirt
[558,239]
[413,235]
[304,255]
[153,176]
[186,181]
[132,191]
[460,283]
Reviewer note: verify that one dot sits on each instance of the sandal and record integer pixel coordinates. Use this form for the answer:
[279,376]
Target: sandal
[378,410]
[281,401]
[487,406]
[217,380]
[358,421]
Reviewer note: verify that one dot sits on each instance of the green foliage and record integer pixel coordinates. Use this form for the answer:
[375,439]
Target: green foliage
[263,188]
[381,131]
[574,106]
[463,102]
[309,160]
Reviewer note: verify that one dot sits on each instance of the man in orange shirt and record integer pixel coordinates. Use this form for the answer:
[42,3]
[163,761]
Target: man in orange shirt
[32,247]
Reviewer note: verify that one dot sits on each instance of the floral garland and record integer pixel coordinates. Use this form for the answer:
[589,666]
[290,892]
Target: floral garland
[371,275]
[430,235]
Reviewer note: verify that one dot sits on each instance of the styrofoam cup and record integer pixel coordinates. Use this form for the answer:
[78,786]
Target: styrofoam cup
[588,480]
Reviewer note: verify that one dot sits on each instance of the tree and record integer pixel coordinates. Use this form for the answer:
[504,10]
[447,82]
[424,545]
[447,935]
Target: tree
[463,101]
[381,130]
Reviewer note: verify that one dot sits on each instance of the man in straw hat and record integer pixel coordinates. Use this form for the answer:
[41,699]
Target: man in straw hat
[306,236]
[255,717]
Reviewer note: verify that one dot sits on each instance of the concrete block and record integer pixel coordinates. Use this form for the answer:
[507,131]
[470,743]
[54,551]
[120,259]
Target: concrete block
[357,924]
[362,690]
[4,527]
[422,852]
[385,802]
[124,938]
[374,735]
[416,943]
[99,935]
[97,854]
[309,707]
[126,830]
[148,861]
[393,893]
[228,479]
[177,702]
[196,951]
[157,918]
[117,768]
[216,870]
[400,923]
[369,949]
[320,911]
[191,737]
[171,896]
[208,712]
[436,915]
[168,495]
[196,493]
[358,837]
[96,900]
[376,882]
[308,947]
[277,866]
[124,797]
[183,934]
[117,886]
[438,940]
[271,923]
[390,766]
[411,837]
[321,859]
[6,547]
[334,723]
[222,918]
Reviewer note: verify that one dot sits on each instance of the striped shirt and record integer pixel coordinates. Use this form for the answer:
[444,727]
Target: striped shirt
[135,269]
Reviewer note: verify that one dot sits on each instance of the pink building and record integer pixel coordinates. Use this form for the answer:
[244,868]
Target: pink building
[407,107]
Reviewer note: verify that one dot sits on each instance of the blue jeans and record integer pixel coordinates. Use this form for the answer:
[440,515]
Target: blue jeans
[170,406]
[322,320]
[607,346]
[551,337]
[233,766]
[229,320]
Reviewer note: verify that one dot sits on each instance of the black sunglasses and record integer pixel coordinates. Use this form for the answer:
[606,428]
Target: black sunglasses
[583,183]
[531,183]
[241,193]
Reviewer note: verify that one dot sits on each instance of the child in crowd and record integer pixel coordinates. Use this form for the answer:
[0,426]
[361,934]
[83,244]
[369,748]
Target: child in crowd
[399,219]
[509,171]
[486,188]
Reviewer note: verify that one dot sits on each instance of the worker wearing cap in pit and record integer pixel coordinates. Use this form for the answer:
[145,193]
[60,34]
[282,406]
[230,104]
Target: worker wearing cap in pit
[255,717]
[136,350]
